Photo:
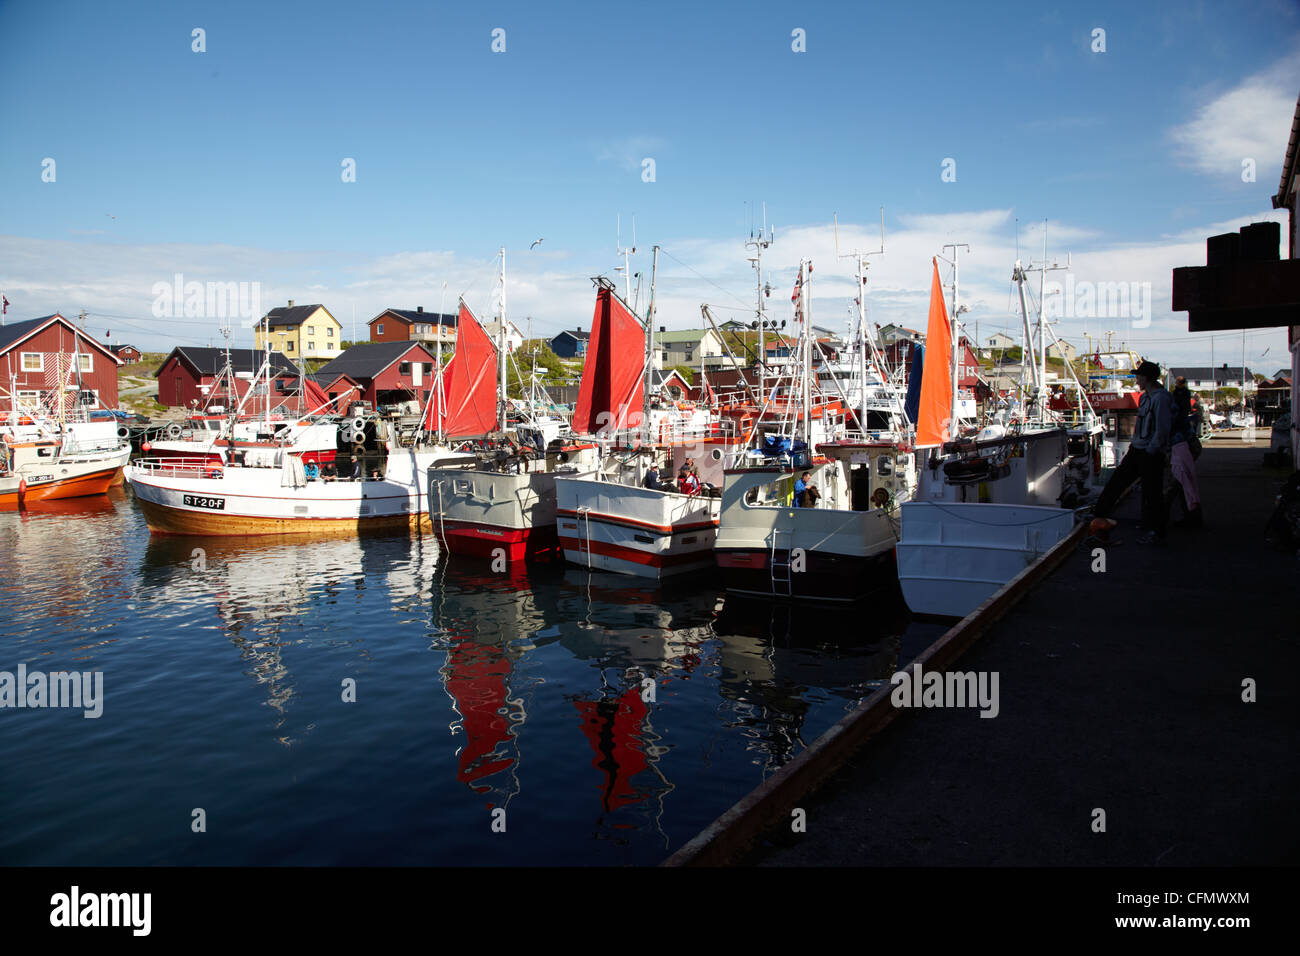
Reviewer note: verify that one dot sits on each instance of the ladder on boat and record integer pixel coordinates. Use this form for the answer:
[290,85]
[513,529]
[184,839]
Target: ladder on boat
[779,571]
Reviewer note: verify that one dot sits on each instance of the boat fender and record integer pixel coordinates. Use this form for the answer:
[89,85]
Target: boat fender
[145,446]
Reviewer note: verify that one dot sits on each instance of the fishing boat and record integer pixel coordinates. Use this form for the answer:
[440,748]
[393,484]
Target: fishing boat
[988,507]
[837,548]
[227,426]
[503,504]
[610,521]
[55,458]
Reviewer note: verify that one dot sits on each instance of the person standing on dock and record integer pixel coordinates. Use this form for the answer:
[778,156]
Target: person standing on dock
[1184,447]
[1145,459]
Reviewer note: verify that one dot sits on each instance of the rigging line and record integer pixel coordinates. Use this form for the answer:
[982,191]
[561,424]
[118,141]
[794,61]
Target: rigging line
[702,276]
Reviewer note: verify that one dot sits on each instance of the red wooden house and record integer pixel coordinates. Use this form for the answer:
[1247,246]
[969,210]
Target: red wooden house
[387,372]
[188,375]
[36,358]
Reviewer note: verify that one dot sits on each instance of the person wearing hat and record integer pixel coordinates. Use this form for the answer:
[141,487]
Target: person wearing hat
[1145,459]
[652,479]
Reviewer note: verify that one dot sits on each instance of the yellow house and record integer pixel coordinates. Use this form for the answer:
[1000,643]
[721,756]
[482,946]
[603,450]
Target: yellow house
[301,332]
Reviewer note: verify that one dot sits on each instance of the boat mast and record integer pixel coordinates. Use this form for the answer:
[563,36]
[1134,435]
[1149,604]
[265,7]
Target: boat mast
[649,339]
[805,273]
[501,351]
[625,252]
[861,300]
[956,338]
[766,236]
[442,304]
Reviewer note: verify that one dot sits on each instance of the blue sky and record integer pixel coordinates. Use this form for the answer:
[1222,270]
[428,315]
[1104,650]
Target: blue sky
[225,165]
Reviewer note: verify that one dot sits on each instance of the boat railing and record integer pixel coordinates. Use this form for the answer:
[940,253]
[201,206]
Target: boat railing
[180,467]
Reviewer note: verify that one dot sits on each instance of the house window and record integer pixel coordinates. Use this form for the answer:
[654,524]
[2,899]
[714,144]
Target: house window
[288,346]
[404,368]
[311,330]
[29,397]
[33,362]
[329,331]
[311,346]
[428,368]
[87,363]
[379,329]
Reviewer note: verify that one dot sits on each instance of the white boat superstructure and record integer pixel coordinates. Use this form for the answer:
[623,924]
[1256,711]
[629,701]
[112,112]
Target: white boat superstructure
[986,509]
[275,496]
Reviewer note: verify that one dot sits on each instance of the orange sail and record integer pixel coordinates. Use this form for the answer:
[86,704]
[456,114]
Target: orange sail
[935,417]
[611,393]
[469,384]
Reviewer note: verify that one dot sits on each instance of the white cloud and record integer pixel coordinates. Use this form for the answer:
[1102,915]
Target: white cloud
[113,280]
[1250,121]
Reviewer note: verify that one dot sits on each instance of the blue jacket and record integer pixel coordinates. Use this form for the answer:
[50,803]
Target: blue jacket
[1154,422]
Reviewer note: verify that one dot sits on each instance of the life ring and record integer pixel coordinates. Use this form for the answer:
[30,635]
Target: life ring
[174,430]
[123,431]
[215,473]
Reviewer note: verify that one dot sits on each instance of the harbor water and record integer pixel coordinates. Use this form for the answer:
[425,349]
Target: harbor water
[375,701]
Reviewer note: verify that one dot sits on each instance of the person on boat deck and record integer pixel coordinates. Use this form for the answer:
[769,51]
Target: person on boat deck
[356,468]
[1145,459]
[652,479]
[311,471]
[806,494]
[688,483]
[329,472]
[687,467]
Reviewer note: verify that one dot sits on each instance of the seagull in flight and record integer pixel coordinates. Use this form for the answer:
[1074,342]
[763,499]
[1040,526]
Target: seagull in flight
[536,244]
[110,215]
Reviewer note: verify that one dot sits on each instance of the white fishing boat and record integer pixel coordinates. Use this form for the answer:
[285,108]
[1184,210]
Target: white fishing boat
[59,453]
[837,547]
[273,495]
[610,521]
[502,503]
[987,508]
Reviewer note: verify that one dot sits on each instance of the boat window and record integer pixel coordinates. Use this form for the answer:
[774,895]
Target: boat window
[884,466]
[461,486]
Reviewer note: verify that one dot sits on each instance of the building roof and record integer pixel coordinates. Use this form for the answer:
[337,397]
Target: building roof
[1223,373]
[579,334]
[286,316]
[15,332]
[413,316]
[368,359]
[682,335]
[210,361]
[1287,184]
[117,348]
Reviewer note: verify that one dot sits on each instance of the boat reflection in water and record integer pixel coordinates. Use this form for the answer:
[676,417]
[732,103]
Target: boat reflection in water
[777,660]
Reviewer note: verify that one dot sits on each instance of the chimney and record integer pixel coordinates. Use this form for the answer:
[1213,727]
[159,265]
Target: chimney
[291,303]
[419,308]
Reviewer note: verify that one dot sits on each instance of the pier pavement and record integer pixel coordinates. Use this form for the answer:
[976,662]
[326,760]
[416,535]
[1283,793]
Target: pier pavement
[1119,690]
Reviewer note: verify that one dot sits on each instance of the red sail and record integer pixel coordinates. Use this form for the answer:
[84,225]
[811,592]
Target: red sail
[314,397]
[469,384]
[935,424]
[610,397]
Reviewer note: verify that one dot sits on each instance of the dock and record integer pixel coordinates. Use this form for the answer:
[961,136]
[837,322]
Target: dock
[1120,690]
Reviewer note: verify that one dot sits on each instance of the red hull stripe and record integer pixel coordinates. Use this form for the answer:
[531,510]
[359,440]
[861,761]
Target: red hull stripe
[634,523]
[655,560]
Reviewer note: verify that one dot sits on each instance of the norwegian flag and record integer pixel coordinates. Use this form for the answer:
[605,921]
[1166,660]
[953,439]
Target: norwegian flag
[6,306]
